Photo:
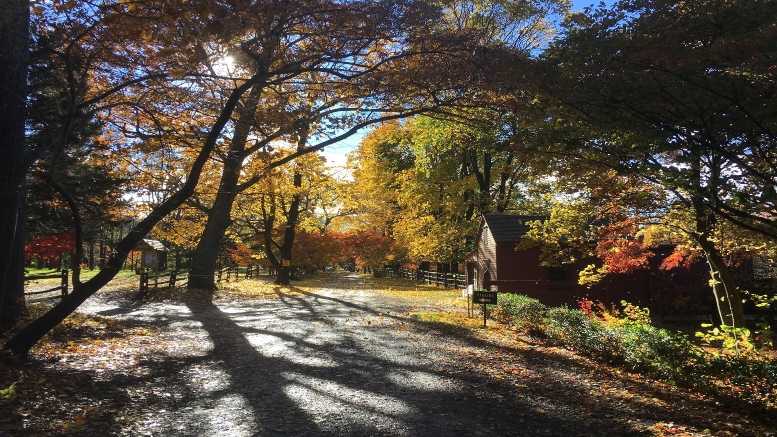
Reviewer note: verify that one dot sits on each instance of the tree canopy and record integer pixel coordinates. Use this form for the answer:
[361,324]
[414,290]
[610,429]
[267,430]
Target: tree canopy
[629,126]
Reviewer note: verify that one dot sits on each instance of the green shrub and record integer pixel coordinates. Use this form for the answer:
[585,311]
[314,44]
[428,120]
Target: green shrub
[626,337]
[602,341]
[563,323]
[660,353]
[521,311]
[588,335]
[744,371]
[573,328]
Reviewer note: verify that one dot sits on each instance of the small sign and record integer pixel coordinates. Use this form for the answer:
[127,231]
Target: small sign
[286,263]
[484,297]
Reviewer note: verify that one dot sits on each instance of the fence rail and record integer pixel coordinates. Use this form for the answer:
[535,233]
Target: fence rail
[151,279]
[447,280]
[234,272]
[62,287]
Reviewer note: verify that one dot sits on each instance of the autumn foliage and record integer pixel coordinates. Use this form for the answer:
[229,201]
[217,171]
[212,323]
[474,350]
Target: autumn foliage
[243,255]
[317,250]
[369,249]
[50,247]
[620,248]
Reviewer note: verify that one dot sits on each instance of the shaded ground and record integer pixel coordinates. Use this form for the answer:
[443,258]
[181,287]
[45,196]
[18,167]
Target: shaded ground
[341,361]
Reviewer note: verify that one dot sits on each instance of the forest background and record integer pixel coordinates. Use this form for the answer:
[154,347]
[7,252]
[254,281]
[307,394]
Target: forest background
[200,124]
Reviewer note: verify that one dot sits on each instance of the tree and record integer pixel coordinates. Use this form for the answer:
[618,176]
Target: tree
[676,96]
[14,40]
[50,247]
[315,250]
[433,179]
[381,158]
[129,86]
[369,62]
[74,175]
[372,249]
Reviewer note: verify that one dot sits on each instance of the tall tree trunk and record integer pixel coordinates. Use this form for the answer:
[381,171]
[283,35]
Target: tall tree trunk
[283,265]
[14,52]
[91,255]
[269,224]
[289,234]
[203,269]
[727,297]
[23,340]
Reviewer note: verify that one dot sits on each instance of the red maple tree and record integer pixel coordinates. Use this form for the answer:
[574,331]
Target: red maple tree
[50,247]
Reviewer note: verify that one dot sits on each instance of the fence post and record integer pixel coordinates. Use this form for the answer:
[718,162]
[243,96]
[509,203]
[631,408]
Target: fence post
[64,282]
[218,275]
[172,278]
[143,282]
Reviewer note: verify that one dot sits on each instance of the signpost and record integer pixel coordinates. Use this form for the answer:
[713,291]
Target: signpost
[486,298]
[467,294]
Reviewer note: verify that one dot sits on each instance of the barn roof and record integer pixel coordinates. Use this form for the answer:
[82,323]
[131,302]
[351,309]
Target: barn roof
[150,244]
[509,228]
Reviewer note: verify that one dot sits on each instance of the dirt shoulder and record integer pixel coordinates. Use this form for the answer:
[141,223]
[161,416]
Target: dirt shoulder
[339,359]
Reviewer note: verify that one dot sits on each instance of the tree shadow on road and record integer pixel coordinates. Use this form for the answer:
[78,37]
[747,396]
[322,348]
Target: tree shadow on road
[310,369]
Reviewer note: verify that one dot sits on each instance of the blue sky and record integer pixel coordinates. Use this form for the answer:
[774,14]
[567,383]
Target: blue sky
[580,4]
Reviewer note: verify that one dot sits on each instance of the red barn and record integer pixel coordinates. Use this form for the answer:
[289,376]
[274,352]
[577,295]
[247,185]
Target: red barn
[496,265]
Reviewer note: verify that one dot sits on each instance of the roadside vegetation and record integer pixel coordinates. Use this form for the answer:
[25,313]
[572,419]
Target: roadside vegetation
[727,365]
[621,344]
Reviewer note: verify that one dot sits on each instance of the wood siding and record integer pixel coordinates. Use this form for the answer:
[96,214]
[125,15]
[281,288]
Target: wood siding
[520,272]
[487,256]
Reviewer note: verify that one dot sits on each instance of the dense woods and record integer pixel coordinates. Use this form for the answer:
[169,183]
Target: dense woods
[199,124]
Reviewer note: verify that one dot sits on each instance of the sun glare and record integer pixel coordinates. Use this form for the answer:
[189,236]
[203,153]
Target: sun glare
[224,66]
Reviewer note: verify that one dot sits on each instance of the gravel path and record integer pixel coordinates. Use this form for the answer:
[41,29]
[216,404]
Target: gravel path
[347,362]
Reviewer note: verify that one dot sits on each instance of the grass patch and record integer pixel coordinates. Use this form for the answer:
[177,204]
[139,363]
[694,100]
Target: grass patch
[264,288]
[414,291]
[446,318]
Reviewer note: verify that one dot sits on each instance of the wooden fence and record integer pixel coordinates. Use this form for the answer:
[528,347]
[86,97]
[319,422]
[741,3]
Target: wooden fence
[152,279]
[229,273]
[62,287]
[447,280]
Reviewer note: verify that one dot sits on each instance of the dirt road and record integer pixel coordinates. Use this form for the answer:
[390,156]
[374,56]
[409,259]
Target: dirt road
[343,361]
